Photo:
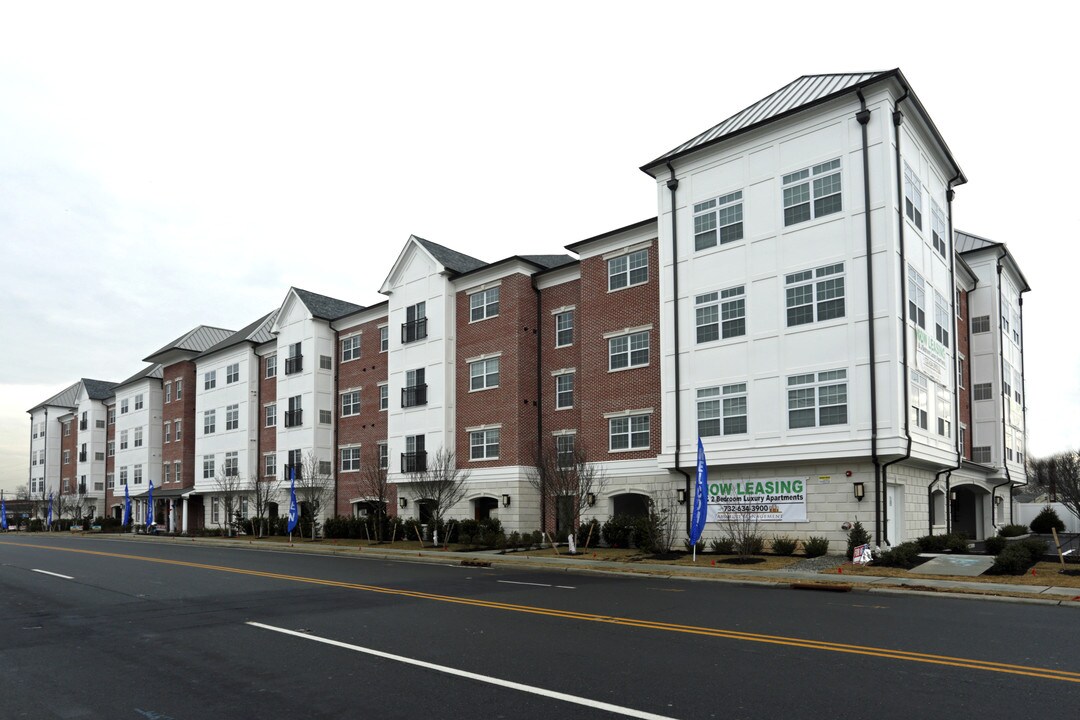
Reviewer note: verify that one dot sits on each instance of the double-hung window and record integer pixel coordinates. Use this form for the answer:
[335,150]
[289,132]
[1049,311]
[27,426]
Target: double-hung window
[722,410]
[350,403]
[916,298]
[941,319]
[564,328]
[138,402]
[270,465]
[628,351]
[626,270]
[938,230]
[210,380]
[232,463]
[179,429]
[207,467]
[817,399]
[168,392]
[564,391]
[719,219]
[912,196]
[168,432]
[484,444]
[232,373]
[384,455]
[384,396]
[123,410]
[484,374]
[232,417]
[982,391]
[209,422]
[815,295]
[384,338]
[628,432]
[179,388]
[944,412]
[271,366]
[812,193]
[980,324]
[721,314]
[484,304]
[270,415]
[350,459]
[123,439]
[920,399]
[138,435]
[350,348]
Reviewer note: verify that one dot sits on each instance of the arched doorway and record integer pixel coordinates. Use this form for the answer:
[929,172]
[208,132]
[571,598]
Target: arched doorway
[483,506]
[633,504]
[968,510]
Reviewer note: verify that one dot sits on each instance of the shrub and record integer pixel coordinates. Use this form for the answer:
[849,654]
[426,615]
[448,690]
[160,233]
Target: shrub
[618,530]
[856,536]
[36,525]
[815,546]
[933,543]
[1012,530]
[722,546]
[784,545]
[468,532]
[1046,521]
[1017,557]
[905,555]
[588,533]
[646,534]
[750,544]
[994,545]
[956,542]
[689,548]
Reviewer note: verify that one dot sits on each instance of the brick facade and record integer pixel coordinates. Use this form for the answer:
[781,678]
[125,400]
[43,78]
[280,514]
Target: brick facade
[183,409]
[267,394]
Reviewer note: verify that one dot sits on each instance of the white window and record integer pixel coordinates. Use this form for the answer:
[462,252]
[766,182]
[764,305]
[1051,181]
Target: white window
[815,295]
[110,480]
[484,374]
[270,465]
[138,437]
[938,230]
[826,198]
[232,417]
[384,455]
[209,422]
[350,348]
[629,432]
[179,388]
[208,466]
[983,391]
[941,319]
[912,196]
[720,218]
[920,399]
[564,328]
[112,418]
[123,410]
[484,444]
[720,314]
[176,470]
[270,415]
[564,450]
[564,391]
[136,475]
[166,471]
[627,351]
[215,510]
[384,338]
[980,324]
[916,298]
[179,429]
[111,448]
[722,410]
[944,412]
[326,417]
[168,432]
[67,457]
[981,454]
[817,399]
[123,476]
[384,396]
[350,403]
[484,304]
[210,380]
[271,366]
[232,373]
[123,439]
[326,362]
[629,269]
[168,392]
[350,459]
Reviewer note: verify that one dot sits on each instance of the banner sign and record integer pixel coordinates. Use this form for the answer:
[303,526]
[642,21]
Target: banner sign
[777,500]
[862,555]
[931,357]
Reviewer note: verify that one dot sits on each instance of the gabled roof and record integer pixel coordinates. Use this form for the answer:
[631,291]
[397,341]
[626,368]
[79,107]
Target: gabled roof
[150,371]
[548,261]
[69,396]
[451,259]
[323,307]
[966,242]
[195,340]
[98,389]
[798,95]
[257,332]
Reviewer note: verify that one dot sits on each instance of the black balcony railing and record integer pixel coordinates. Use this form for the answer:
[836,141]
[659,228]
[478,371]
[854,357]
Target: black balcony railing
[414,330]
[294,418]
[294,364]
[82,457]
[82,488]
[414,462]
[414,395]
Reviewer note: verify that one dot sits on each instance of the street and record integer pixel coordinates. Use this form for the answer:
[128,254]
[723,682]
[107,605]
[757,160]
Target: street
[97,627]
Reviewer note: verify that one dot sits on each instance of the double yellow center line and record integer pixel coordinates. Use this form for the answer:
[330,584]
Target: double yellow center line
[966,663]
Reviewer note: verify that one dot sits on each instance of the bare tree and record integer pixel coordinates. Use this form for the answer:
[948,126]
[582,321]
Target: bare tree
[314,485]
[441,484]
[743,529]
[1059,476]
[263,492]
[563,476]
[372,484]
[667,520]
[229,487]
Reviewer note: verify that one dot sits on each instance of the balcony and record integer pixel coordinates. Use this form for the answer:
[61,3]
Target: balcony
[294,418]
[82,456]
[294,364]
[414,462]
[414,330]
[82,488]
[414,395]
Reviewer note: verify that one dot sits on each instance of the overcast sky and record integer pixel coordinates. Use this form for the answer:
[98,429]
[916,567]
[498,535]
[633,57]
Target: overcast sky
[169,165]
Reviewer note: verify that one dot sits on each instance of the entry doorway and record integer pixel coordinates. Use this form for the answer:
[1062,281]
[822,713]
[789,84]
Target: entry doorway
[968,509]
[894,521]
[483,506]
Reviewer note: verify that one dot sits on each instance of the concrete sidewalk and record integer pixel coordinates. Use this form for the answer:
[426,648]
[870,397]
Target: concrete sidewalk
[801,579]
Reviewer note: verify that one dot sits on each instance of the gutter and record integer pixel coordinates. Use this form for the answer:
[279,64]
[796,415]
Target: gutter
[1001,388]
[672,186]
[1023,404]
[540,404]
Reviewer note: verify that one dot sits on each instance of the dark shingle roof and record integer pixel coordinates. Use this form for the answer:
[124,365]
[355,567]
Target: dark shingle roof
[451,259]
[256,332]
[548,261]
[326,308]
[68,397]
[195,340]
[98,389]
[153,371]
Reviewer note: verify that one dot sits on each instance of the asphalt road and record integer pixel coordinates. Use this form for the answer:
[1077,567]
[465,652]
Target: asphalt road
[108,628]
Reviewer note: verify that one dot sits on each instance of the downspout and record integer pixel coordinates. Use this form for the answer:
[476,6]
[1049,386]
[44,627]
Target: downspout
[672,186]
[337,402]
[863,117]
[949,194]
[540,407]
[30,467]
[1001,389]
[993,502]
[45,470]
[883,509]
[1023,404]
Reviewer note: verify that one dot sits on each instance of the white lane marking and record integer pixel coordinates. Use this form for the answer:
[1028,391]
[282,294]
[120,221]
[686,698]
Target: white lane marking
[587,702]
[515,582]
[566,587]
[46,572]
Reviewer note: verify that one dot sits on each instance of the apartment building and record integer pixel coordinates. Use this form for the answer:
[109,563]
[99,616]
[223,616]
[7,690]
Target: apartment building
[800,302]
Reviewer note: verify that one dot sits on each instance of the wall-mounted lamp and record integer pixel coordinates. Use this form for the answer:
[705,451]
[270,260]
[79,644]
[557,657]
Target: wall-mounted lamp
[999,500]
[680,495]
[952,496]
[506,500]
[403,502]
[590,499]
[860,490]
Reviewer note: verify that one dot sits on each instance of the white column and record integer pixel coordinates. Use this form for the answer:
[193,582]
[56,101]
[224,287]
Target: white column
[172,515]
[184,524]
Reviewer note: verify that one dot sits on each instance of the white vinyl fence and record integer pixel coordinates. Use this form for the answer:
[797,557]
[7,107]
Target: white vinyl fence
[1026,512]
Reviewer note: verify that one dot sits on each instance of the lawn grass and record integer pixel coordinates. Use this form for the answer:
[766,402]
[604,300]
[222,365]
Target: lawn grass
[1046,573]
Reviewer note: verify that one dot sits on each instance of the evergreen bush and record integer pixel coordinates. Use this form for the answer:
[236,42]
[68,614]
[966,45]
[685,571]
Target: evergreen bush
[1046,521]
[856,536]
[815,546]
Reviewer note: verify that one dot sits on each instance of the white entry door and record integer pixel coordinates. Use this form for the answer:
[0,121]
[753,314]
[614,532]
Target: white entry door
[894,504]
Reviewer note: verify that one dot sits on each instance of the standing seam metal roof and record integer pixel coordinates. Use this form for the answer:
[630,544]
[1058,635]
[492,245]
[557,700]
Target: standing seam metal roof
[257,332]
[196,340]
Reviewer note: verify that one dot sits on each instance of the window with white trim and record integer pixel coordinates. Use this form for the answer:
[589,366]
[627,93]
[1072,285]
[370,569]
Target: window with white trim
[207,466]
[628,432]
[271,366]
[215,510]
[176,470]
[232,373]
[982,391]
[350,348]
[799,206]
[270,415]
[484,444]
[384,338]
[179,388]
[484,304]
[941,319]
[384,396]
[179,429]
[564,328]
[944,412]
[123,411]
[628,351]
[628,270]
[168,392]
[817,399]
[326,417]
[720,314]
[270,465]
[123,439]
[123,476]
[232,417]
[815,295]
[209,422]
[722,410]
[112,418]
[720,219]
[138,402]
[981,454]
[564,391]
[232,464]
[326,362]
[484,374]
[210,380]
[565,456]
[912,196]
[384,455]
[916,298]
[938,230]
[350,459]
[980,324]
[168,432]
[350,403]
[136,475]
[920,399]
[138,435]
